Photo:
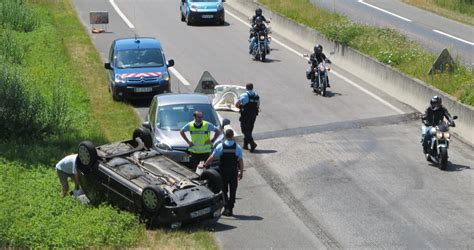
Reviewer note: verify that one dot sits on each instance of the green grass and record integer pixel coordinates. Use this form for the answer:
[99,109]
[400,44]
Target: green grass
[57,53]
[386,45]
[459,10]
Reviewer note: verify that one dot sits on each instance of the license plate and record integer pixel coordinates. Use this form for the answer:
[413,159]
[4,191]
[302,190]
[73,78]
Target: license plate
[207,16]
[200,212]
[142,90]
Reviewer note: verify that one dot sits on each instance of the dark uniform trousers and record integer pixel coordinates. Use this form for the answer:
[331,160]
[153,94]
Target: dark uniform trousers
[196,158]
[247,118]
[229,172]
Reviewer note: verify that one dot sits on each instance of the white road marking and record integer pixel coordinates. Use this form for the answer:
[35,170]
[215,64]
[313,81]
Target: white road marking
[120,13]
[334,72]
[386,11]
[451,36]
[179,76]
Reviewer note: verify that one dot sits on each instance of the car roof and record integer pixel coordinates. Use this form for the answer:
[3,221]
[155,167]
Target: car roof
[139,42]
[188,98]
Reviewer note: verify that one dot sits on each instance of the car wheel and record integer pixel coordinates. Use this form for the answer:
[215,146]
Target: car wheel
[145,135]
[214,180]
[153,198]
[87,155]
[115,96]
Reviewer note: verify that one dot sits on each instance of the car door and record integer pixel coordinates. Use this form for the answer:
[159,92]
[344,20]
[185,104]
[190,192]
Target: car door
[110,73]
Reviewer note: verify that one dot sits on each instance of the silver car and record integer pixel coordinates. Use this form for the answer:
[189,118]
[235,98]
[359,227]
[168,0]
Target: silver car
[168,113]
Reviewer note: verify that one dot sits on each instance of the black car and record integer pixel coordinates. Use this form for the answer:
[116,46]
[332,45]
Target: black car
[130,176]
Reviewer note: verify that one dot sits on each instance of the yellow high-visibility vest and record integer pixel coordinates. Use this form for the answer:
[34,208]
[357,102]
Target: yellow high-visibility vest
[199,137]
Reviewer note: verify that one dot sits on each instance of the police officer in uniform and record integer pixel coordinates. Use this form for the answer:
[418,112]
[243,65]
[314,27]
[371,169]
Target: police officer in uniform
[200,145]
[249,105]
[231,168]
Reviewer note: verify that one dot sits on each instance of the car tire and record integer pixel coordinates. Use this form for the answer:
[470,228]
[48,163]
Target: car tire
[115,95]
[153,198]
[86,156]
[214,180]
[145,135]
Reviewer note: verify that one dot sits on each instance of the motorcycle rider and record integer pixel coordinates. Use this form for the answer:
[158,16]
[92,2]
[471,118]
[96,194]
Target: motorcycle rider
[316,58]
[433,115]
[258,27]
[258,13]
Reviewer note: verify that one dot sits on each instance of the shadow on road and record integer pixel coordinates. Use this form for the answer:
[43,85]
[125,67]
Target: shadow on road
[451,167]
[456,167]
[142,103]
[219,227]
[247,217]
[264,151]
[332,94]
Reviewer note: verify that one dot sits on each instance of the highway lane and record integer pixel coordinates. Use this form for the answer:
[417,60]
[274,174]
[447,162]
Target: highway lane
[321,177]
[432,31]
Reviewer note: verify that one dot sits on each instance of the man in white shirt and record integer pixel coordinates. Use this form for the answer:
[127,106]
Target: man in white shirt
[66,168]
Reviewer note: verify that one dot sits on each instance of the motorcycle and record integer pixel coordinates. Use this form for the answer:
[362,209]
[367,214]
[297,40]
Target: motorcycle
[321,77]
[439,144]
[261,47]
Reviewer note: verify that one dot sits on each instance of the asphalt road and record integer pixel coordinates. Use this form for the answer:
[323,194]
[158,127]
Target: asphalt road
[432,31]
[343,171]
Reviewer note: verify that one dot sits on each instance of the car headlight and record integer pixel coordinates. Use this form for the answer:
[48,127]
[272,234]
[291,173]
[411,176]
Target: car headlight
[163,146]
[193,8]
[119,79]
[166,76]
[439,134]
[220,7]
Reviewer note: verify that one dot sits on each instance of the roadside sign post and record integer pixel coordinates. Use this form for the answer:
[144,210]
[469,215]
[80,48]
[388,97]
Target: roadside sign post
[101,18]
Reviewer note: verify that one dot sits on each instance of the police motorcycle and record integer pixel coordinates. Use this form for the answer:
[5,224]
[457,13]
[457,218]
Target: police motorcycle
[321,76]
[261,47]
[439,144]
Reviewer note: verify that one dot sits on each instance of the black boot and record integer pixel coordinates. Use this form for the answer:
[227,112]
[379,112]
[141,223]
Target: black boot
[253,145]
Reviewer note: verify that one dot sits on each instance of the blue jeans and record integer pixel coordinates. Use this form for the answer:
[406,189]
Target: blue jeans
[426,137]
[253,42]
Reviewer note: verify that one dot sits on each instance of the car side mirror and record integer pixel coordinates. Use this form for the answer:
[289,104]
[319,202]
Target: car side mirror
[225,122]
[146,125]
[170,63]
[107,65]
[455,117]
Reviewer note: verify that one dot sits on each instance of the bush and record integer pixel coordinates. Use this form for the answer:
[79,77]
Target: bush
[17,15]
[25,113]
[10,49]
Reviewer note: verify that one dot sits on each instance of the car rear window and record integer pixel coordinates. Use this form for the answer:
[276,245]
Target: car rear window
[139,58]
[174,117]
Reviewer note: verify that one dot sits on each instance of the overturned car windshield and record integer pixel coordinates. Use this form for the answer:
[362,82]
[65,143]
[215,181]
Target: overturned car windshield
[139,58]
[174,117]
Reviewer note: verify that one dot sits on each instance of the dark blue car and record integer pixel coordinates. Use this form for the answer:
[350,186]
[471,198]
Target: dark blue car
[137,68]
[193,11]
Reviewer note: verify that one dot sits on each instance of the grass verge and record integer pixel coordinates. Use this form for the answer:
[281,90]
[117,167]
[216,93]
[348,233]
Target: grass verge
[459,10]
[386,45]
[57,50]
